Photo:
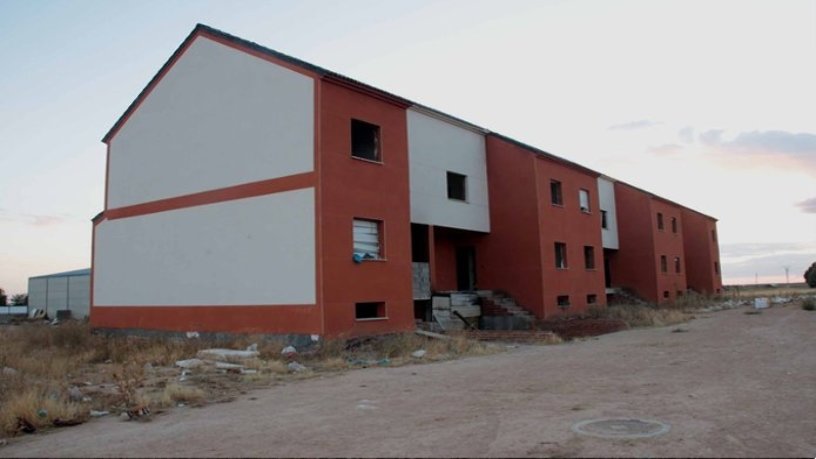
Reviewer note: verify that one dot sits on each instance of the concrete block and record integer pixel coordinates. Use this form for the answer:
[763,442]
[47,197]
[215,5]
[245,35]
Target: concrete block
[441,302]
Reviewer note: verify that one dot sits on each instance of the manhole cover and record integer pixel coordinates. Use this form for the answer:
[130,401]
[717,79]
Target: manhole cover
[621,428]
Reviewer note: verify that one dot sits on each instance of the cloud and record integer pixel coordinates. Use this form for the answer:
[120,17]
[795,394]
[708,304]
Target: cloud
[686,134]
[640,124]
[807,206]
[31,219]
[666,149]
[744,261]
[780,148]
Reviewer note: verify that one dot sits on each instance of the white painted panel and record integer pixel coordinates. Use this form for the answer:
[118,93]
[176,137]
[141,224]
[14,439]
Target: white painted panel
[254,251]
[57,296]
[436,147]
[79,292]
[37,293]
[606,195]
[218,118]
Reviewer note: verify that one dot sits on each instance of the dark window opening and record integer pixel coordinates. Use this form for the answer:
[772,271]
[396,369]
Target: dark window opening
[674,225]
[589,257]
[563,301]
[560,255]
[663,264]
[604,223]
[592,299]
[365,140]
[716,267]
[714,235]
[457,188]
[369,310]
[659,221]
[677,264]
[665,293]
[555,193]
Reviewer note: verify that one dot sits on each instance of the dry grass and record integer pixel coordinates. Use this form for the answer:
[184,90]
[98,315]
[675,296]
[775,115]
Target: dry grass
[644,315]
[119,373]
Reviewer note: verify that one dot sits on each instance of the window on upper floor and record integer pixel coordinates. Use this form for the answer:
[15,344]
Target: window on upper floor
[589,257]
[674,224]
[560,255]
[367,239]
[604,223]
[716,267]
[457,186]
[664,264]
[556,197]
[660,221]
[365,141]
[583,200]
[677,264]
[714,235]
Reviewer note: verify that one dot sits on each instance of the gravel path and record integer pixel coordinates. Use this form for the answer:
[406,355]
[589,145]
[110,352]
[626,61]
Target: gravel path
[732,385]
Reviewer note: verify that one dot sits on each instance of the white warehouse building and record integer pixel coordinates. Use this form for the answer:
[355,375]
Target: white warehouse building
[70,290]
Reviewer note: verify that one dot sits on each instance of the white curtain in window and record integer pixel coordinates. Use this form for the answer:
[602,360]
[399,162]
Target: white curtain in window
[367,238]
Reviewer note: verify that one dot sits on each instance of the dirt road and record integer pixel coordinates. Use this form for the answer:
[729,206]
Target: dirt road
[732,385]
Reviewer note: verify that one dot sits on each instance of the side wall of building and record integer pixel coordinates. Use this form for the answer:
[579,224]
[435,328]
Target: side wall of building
[356,188]
[702,253]
[633,266]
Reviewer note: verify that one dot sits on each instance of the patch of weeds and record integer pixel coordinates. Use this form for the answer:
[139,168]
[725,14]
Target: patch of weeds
[809,304]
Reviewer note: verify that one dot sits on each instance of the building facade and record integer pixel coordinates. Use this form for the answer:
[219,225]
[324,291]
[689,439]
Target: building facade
[250,191]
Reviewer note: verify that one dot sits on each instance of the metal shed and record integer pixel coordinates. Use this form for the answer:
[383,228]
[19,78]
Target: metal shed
[70,290]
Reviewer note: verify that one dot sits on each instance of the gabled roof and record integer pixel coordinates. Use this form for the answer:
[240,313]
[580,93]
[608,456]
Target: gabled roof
[334,77]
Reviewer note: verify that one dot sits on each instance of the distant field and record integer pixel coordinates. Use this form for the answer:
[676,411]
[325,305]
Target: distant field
[752,290]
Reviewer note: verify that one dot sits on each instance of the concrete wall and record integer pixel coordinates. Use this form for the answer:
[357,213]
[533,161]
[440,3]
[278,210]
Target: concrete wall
[606,197]
[253,251]
[219,117]
[435,148]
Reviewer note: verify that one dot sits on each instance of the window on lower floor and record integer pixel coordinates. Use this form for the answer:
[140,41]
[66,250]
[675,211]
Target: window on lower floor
[555,193]
[665,293]
[367,239]
[674,224]
[589,257]
[664,264]
[560,255]
[365,140]
[457,186]
[716,267]
[563,301]
[677,265]
[374,310]
[592,299]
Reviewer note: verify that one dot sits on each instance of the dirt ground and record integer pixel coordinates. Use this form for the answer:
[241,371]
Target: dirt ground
[732,384]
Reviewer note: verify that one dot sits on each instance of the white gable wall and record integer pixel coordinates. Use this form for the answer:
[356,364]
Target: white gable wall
[434,148]
[606,194]
[218,118]
[252,251]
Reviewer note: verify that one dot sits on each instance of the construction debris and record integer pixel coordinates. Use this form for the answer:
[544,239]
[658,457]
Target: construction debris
[289,351]
[295,367]
[224,354]
[189,363]
[418,354]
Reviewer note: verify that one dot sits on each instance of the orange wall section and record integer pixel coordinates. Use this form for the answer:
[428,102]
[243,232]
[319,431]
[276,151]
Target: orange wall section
[633,265]
[352,188]
[702,251]
[568,224]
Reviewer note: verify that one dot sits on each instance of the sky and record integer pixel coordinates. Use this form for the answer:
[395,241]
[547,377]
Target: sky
[711,104]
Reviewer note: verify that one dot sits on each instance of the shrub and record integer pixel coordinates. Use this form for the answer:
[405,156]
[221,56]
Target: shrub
[809,304]
[810,275]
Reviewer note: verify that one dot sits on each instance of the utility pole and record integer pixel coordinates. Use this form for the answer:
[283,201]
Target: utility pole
[787,275]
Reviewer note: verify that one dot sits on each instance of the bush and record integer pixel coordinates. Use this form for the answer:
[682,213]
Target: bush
[810,275]
[809,304]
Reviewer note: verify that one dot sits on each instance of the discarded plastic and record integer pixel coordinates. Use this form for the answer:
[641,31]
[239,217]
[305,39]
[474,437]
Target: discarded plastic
[192,334]
[189,363]
[295,367]
[760,303]
[289,351]
[418,354]
[99,414]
